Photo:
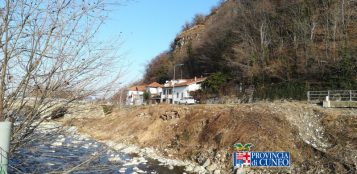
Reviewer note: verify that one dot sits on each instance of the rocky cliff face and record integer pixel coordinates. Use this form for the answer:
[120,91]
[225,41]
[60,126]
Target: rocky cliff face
[191,35]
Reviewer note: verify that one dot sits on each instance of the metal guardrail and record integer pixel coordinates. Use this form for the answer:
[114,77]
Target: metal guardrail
[334,95]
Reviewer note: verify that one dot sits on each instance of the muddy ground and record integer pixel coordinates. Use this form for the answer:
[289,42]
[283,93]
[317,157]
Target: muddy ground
[319,140]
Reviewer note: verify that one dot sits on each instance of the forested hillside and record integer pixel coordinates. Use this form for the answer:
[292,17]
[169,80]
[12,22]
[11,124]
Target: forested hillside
[281,48]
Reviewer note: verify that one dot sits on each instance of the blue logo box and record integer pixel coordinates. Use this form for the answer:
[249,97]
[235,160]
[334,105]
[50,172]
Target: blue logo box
[269,159]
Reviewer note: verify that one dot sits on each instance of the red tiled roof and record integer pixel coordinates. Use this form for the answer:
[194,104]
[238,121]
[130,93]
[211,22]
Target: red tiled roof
[137,88]
[154,84]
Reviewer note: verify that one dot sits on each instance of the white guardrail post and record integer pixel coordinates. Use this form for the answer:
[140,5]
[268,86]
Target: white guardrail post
[328,93]
[5,130]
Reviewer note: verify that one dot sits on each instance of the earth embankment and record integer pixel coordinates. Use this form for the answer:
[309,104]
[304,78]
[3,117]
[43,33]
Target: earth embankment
[318,139]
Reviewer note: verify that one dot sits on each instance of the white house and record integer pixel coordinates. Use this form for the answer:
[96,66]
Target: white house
[173,91]
[136,95]
[155,90]
[166,95]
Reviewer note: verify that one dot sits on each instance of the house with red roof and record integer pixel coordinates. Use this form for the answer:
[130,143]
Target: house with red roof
[135,95]
[176,90]
[171,92]
[155,90]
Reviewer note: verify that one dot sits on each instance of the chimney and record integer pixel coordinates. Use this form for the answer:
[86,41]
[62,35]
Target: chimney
[195,78]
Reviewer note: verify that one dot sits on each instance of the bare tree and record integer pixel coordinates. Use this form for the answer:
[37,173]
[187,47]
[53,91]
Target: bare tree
[48,48]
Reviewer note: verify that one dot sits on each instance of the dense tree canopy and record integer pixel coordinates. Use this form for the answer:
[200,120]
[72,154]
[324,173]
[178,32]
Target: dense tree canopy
[268,43]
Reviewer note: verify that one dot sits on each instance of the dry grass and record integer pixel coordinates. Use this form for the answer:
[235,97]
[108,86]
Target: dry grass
[203,128]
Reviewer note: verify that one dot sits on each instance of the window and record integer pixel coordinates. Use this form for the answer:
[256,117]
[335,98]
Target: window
[177,94]
[181,95]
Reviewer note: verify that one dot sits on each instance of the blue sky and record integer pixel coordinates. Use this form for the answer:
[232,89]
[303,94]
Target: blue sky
[147,27]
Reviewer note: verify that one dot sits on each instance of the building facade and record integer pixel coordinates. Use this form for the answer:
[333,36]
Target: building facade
[176,90]
[135,95]
[171,92]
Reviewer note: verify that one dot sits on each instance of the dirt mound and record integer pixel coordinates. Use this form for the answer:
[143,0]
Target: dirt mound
[342,132]
[318,140]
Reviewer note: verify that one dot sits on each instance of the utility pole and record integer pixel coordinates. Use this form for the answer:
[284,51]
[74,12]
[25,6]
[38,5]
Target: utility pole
[173,85]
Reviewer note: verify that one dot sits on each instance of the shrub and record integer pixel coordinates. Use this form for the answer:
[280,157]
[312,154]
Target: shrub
[186,135]
[146,96]
[214,82]
[58,112]
[107,109]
